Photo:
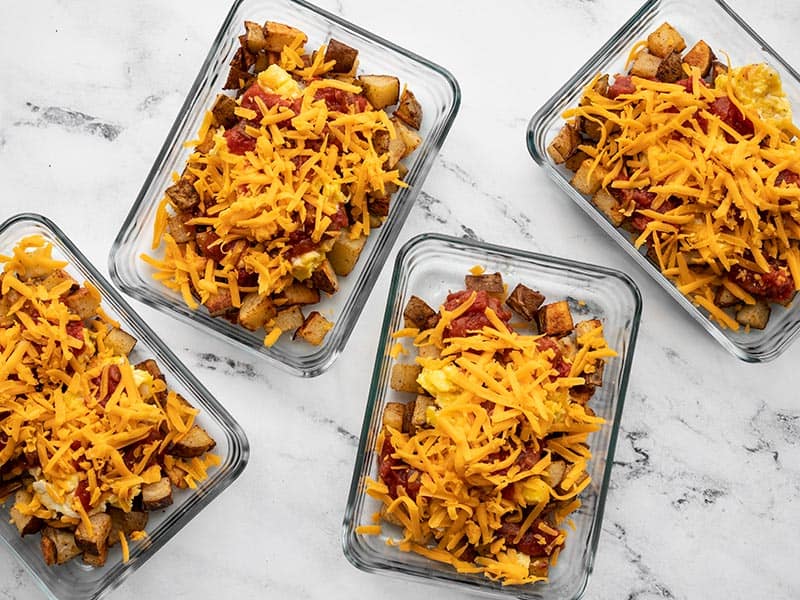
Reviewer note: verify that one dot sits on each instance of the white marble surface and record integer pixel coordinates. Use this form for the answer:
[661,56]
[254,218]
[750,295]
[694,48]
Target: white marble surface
[704,495]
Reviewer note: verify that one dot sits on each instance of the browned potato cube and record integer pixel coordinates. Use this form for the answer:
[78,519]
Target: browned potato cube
[555,319]
[600,86]
[58,546]
[646,65]
[58,277]
[25,524]
[254,38]
[278,35]
[256,309]
[754,315]
[525,301]
[397,150]
[491,283]
[409,109]
[126,522]
[404,378]
[93,541]
[582,394]
[411,139]
[298,293]
[157,495]
[419,417]
[196,442]
[151,367]
[664,40]
[121,342]
[344,55]
[564,144]
[428,351]
[178,229]
[182,195]
[417,313]
[393,414]
[289,318]
[220,303]
[724,298]
[700,56]
[588,179]
[555,473]
[607,203]
[223,111]
[83,303]
[574,162]
[718,68]
[96,560]
[595,378]
[584,327]
[314,329]
[591,128]
[324,278]
[345,252]
[380,90]
[671,68]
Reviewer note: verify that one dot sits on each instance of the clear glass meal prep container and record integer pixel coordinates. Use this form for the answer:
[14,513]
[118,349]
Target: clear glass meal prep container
[74,579]
[727,34]
[430,266]
[434,87]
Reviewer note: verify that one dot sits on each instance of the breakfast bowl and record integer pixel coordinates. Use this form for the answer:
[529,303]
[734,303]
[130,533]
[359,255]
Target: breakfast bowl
[223,458]
[715,29]
[429,267]
[438,97]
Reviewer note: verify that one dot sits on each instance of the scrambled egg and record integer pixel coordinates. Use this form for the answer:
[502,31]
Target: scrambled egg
[535,491]
[305,264]
[758,87]
[440,383]
[279,81]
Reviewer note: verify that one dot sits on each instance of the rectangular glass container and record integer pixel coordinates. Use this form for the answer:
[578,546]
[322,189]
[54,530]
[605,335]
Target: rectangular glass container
[74,579]
[432,265]
[726,33]
[435,89]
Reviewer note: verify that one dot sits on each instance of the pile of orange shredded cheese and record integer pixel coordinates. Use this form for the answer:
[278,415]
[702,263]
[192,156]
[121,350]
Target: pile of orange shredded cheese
[77,446]
[467,462]
[309,163]
[718,186]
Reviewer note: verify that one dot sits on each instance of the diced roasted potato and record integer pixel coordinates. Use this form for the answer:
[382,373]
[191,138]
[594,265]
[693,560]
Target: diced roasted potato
[58,546]
[665,40]
[298,293]
[591,128]
[93,540]
[588,178]
[417,313]
[380,90]
[584,327]
[718,68]
[525,301]
[724,298]
[126,522]
[700,56]
[289,319]
[404,378]
[255,39]
[178,229]
[754,315]
[25,524]
[564,144]
[671,68]
[646,65]
[96,560]
[58,277]
[220,303]
[157,495]
[278,35]
[555,473]
[83,302]
[600,86]
[182,195]
[345,252]
[344,55]
[324,278]
[411,139]
[314,328]
[409,109]
[595,378]
[419,413]
[605,201]
[428,351]
[574,162]
[196,442]
[555,319]
[397,150]
[393,415]
[223,111]
[121,342]
[491,283]
[255,310]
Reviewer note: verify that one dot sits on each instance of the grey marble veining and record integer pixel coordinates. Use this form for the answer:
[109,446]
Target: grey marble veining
[703,501]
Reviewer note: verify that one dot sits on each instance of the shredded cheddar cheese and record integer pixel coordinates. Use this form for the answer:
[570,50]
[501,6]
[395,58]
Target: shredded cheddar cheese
[83,424]
[477,486]
[706,175]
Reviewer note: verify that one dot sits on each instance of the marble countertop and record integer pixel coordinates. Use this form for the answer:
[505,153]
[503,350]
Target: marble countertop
[704,494]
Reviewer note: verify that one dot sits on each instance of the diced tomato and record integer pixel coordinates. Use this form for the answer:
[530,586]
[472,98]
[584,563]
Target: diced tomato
[238,141]
[533,542]
[688,83]
[75,330]
[245,278]
[623,84]
[775,286]
[82,494]
[396,474]
[270,99]
[340,100]
[114,377]
[299,243]
[787,176]
[558,362]
[474,318]
[728,112]
[339,219]
[208,246]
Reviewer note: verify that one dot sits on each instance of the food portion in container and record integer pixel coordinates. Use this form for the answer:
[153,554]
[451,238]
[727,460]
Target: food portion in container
[90,442]
[287,178]
[482,453]
[700,161]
